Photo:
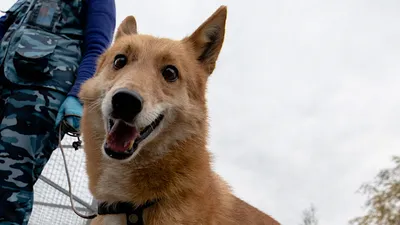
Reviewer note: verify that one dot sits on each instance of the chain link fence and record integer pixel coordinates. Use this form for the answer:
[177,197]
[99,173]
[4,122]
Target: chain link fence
[52,205]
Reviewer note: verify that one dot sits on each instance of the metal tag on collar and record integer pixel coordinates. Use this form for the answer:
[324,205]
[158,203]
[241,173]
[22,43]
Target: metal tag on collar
[135,218]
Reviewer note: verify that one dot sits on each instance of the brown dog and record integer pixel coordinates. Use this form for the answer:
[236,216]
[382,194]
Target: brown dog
[145,129]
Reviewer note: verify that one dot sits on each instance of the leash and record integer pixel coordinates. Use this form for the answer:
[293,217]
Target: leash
[70,131]
[134,213]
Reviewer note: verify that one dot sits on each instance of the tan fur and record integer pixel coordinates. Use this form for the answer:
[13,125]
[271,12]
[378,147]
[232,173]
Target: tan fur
[174,165]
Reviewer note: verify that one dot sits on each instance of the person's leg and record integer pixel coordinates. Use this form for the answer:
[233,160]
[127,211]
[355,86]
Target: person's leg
[27,139]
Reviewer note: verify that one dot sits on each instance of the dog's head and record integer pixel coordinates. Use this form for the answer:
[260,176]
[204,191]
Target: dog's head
[150,92]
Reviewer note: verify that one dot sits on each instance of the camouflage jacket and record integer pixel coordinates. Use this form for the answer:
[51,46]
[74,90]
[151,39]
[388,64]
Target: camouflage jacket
[42,47]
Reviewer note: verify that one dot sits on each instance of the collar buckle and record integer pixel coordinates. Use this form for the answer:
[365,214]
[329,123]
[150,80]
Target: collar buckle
[134,214]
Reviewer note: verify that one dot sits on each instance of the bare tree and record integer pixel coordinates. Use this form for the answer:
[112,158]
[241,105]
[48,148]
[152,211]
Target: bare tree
[383,204]
[309,216]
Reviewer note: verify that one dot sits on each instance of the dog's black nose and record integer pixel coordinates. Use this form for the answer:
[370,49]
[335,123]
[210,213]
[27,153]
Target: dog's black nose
[126,104]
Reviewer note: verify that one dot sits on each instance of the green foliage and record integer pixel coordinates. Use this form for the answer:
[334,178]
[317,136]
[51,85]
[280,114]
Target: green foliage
[309,216]
[383,204]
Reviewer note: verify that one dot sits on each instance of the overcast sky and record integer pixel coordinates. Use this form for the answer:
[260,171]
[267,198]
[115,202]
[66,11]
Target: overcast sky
[305,100]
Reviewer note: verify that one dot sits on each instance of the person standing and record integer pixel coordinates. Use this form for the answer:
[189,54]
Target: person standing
[48,49]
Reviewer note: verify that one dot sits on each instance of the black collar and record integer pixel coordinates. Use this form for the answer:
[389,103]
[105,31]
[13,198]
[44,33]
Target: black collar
[134,214]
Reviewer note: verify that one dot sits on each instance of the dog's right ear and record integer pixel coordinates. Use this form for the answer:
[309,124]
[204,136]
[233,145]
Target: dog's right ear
[127,27]
[207,40]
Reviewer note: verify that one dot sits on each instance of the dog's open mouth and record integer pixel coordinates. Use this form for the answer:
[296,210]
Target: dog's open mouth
[123,139]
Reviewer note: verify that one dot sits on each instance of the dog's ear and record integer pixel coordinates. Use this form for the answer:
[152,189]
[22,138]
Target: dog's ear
[127,27]
[208,38]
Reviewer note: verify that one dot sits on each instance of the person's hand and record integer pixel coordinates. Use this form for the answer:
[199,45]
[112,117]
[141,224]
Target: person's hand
[71,112]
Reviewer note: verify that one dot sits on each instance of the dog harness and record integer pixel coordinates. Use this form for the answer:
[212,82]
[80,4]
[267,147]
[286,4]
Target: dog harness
[134,214]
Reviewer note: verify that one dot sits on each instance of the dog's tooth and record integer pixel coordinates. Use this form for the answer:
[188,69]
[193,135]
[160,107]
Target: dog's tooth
[131,144]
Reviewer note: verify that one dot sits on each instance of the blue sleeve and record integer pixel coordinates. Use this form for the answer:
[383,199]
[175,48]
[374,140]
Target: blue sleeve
[3,26]
[98,35]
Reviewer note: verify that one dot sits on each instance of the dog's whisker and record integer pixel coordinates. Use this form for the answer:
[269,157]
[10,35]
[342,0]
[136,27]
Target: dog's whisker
[95,105]
[88,99]
[97,137]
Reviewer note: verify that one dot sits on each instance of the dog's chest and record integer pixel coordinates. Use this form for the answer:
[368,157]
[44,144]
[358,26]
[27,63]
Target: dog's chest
[112,184]
[114,220]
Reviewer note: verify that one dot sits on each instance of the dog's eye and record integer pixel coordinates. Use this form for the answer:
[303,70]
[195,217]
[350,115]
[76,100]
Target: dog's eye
[120,61]
[170,73]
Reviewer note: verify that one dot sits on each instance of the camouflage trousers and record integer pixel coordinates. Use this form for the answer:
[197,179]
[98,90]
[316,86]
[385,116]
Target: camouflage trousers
[27,138]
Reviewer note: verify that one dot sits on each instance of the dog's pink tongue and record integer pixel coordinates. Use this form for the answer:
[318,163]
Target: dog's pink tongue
[121,137]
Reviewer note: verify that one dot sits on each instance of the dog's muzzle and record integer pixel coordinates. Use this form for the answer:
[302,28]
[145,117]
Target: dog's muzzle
[123,135]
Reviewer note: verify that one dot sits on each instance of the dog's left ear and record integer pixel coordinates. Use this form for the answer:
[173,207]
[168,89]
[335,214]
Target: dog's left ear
[208,38]
[127,27]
